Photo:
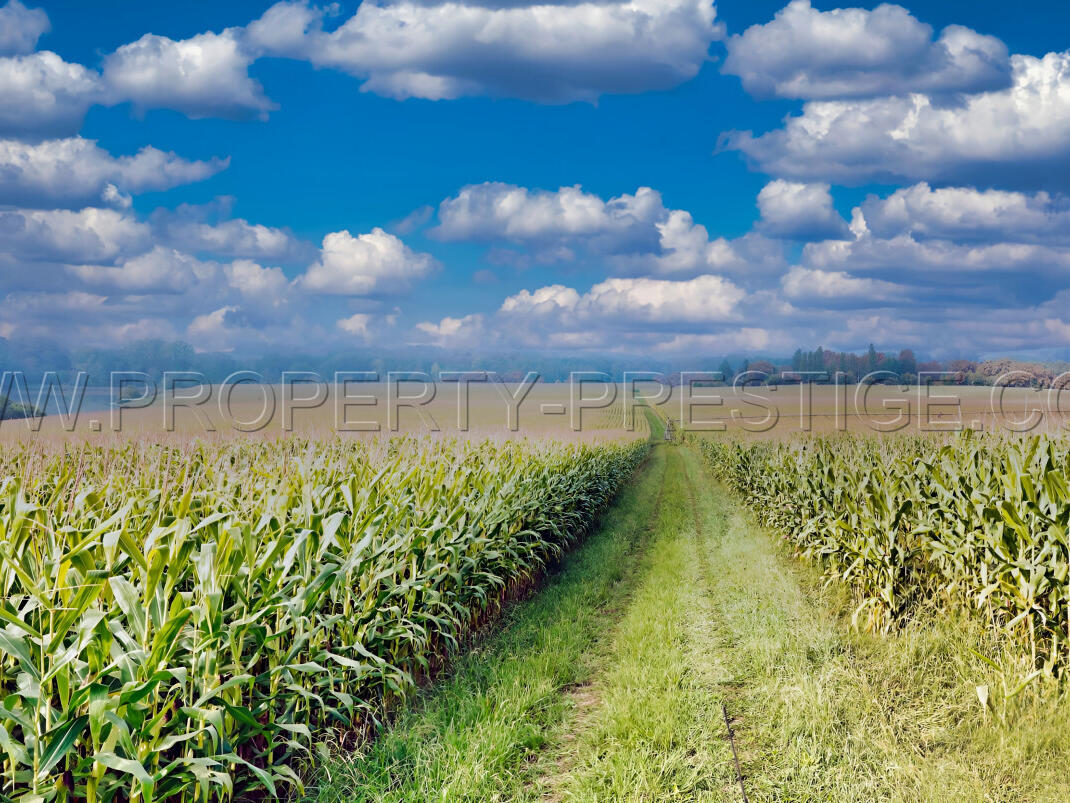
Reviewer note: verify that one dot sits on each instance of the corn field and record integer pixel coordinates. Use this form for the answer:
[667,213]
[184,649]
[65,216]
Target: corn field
[976,522]
[186,623]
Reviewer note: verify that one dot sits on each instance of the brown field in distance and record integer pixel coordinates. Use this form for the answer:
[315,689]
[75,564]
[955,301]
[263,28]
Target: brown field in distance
[787,410]
[757,411]
[543,413]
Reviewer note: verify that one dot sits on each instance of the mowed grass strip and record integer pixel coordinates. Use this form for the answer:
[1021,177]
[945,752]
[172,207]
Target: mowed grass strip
[656,734]
[479,734]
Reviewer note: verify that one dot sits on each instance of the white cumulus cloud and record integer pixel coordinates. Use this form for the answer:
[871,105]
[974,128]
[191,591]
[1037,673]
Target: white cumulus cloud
[1017,136]
[41,95]
[546,300]
[634,234]
[21,27]
[454,332]
[964,267]
[615,314]
[368,263]
[854,53]
[252,280]
[212,331]
[686,248]
[807,284]
[76,172]
[704,298]
[798,211]
[203,76]
[966,214]
[357,325]
[553,53]
[159,271]
[190,228]
[61,235]
[543,218]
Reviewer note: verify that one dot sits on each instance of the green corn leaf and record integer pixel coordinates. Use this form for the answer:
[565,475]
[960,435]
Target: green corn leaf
[60,741]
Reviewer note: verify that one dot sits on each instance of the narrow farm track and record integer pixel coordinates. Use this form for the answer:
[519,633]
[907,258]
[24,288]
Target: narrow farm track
[608,685]
[651,736]
[584,698]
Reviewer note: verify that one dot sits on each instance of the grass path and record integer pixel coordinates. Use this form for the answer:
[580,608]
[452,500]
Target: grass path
[608,685]
[653,736]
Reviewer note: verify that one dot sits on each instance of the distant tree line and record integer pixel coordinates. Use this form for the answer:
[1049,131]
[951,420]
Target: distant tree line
[35,357]
[12,409]
[822,366]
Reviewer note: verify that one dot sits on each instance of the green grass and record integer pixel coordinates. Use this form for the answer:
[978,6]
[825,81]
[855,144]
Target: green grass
[654,735]
[608,684]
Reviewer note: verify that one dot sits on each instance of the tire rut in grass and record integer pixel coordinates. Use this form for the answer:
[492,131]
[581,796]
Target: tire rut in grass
[652,735]
[709,644]
[585,697]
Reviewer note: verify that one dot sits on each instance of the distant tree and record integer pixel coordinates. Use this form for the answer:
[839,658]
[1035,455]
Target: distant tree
[1011,373]
[726,370]
[10,409]
[962,366]
[908,364]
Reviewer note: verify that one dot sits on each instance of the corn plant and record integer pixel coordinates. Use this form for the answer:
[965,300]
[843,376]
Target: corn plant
[979,522]
[180,623]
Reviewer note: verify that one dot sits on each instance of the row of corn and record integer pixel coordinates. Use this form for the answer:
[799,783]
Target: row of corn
[975,522]
[184,623]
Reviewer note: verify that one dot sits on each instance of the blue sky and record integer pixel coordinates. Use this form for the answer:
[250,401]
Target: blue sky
[649,176]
